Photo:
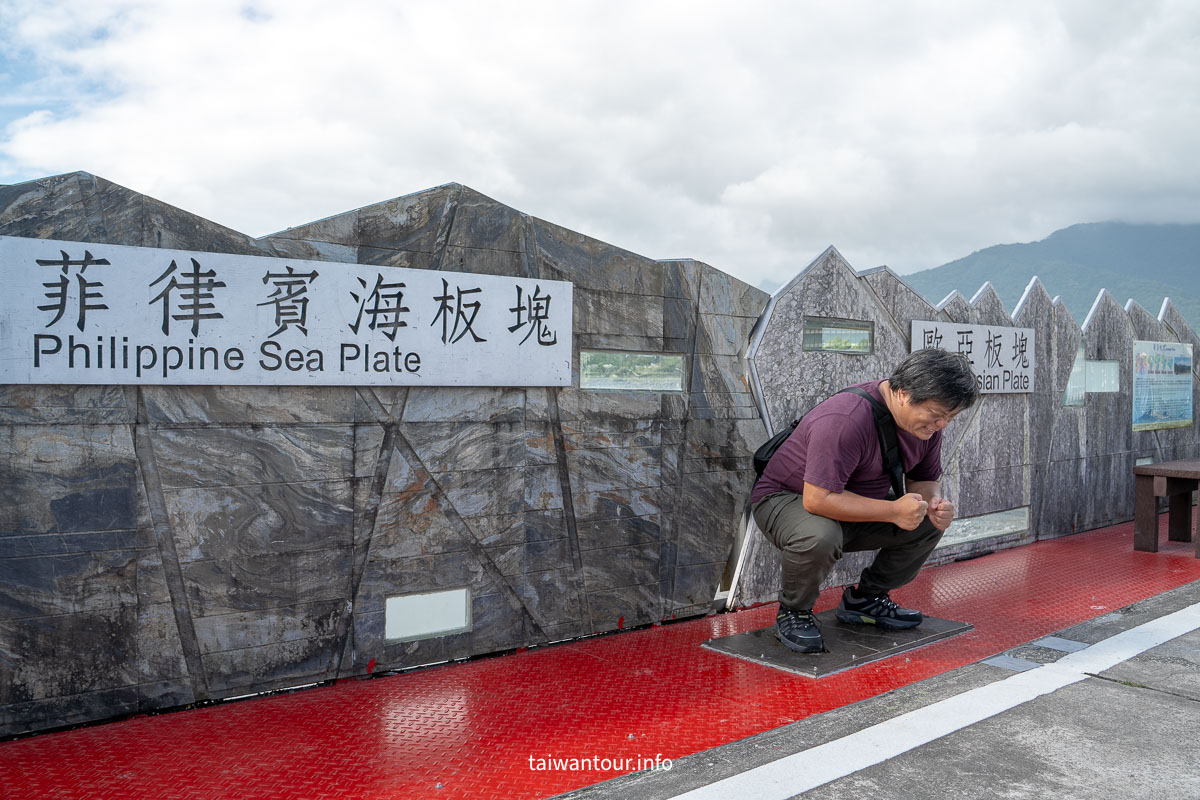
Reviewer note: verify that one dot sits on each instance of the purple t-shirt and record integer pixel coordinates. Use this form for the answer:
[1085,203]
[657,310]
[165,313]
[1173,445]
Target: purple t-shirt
[836,447]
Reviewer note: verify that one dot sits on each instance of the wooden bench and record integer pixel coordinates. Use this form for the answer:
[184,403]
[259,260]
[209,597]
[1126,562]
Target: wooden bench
[1175,480]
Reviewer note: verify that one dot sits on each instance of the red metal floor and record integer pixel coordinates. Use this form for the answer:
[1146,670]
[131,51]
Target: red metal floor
[480,729]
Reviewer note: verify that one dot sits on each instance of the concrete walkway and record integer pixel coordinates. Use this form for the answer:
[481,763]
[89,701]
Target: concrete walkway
[1108,708]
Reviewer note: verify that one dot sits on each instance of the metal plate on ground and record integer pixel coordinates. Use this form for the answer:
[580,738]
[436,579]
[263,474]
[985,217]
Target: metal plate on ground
[848,645]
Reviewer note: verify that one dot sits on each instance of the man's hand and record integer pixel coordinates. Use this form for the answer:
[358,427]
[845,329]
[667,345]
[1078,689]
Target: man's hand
[941,513]
[909,510]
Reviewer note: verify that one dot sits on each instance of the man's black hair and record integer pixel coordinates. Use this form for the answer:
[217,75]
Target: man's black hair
[939,375]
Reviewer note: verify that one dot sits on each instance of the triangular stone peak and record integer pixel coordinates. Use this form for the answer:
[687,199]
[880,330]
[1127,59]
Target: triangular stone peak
[1034,297]
[987,308]
[955,308]
[1104,305]
[829,258]
[899,301]
[1061,310]
[1145,326]
[1170,316]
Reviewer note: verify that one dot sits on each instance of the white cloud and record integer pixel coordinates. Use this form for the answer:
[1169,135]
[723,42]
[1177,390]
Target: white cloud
[749,136]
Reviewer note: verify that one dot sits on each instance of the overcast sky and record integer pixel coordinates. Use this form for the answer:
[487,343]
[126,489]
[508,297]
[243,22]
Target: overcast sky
[748,135]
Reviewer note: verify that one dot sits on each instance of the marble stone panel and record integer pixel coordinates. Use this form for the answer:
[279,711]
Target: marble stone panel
[615,567]
[1069,435]
[543,489]
[368,444]
[189,405]
[615,312]
[50,208]
[622,503]
[613,609]
[68,478]
[539,443]
[310,249]
[955,308]
[67,584]
[1179,326]
[987,308]
[721,293]
[554,603]
[578,405]
[39,664]
[708,515]
[449,446]
[995,436]
[488,261]
[900,302]
[623,532]
[159,654]
[589,263]
[613,468]
[1145,326]
[173,228]
[64,405]
[224,523]
[681,278]
[496,625]
[713,373]
[720,464]
[389,257]
[66,710]
[250,629]
[679,319]
[59,544]
[594,438]
[528,557]
[983,491]
[464,404]
[414,525]
[724,438]
[253,583]
[480,221]
[217,456]
[475,492]
[635,344]
[696,584]
[722,334]
[268,666]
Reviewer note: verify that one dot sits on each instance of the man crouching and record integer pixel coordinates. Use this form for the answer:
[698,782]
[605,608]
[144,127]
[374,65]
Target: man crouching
[825,491]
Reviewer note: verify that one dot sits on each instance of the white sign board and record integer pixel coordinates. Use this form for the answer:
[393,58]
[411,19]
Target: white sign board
[1002,358]
[82,313]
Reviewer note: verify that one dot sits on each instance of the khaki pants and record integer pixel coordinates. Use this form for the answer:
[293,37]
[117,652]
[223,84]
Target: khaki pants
[812,545]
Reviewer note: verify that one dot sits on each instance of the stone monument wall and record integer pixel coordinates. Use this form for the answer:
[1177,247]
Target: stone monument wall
[168,545]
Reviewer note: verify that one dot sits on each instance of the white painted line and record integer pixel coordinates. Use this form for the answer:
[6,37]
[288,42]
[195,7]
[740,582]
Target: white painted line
[819,765]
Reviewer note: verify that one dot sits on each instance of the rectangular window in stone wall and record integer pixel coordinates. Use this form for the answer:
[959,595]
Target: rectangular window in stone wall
[839,335]
[623,372]
[422,616]
[1090,376]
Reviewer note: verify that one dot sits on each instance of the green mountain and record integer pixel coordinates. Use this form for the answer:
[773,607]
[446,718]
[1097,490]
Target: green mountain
[1142,262]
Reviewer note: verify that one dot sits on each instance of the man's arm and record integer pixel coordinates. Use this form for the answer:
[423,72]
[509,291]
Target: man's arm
[905,512]
[941,510]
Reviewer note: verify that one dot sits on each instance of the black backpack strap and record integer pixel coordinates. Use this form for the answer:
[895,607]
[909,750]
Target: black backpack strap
[889,445]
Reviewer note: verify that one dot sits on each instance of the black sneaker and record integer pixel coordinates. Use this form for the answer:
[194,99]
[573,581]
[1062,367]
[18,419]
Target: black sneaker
[798,631]
[881,611]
